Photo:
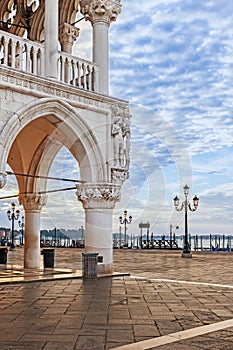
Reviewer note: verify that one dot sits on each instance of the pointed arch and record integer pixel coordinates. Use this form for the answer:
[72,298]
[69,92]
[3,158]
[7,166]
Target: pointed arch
[36,133]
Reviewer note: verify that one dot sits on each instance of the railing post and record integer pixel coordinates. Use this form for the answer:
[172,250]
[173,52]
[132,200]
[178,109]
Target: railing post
[79,67]
[84,76]
[13,53]
[27,58]
[68,71]
[5,57]
[20,56]
[34,60]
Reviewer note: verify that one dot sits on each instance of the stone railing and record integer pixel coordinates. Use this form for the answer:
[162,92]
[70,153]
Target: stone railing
[28,56]
[77,72]
[21,54]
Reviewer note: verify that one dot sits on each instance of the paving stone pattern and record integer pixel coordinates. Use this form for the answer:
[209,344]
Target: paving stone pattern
[110,312]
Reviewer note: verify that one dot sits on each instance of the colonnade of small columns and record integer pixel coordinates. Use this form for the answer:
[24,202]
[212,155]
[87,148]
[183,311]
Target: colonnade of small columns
[100,15]
[46,61]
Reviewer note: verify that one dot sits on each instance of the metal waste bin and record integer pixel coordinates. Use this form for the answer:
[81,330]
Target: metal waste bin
[3,255]
[90,265]
[48,255]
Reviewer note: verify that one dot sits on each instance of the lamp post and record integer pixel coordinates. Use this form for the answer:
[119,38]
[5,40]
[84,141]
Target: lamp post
[125,221]
[21,225]
[13,215]
[82,237]
[187,206]
[120,236]
[55,237]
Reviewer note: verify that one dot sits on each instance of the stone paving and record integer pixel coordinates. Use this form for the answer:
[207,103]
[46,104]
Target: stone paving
[166,303]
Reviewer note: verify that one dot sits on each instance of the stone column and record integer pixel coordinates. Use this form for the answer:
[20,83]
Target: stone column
[101,13]
[51,38]
[67,36]
[99,201]
[32,204]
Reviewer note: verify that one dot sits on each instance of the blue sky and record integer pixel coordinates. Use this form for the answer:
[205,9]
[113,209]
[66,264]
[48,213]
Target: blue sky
[173,60]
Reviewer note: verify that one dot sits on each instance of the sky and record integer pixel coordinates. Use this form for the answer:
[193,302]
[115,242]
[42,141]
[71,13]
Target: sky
[173,61]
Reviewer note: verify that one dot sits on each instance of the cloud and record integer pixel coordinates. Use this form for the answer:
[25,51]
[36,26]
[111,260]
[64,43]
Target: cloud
[175,57]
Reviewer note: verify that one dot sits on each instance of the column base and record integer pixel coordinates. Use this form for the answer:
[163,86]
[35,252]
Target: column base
[186,255]
[32,260]
[105,269]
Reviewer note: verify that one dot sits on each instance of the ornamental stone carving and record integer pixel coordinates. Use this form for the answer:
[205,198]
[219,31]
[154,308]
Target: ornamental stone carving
[32,201]
[126,137]
[100,10]
[121,137]
[119,176]
[2,180]
[103,196]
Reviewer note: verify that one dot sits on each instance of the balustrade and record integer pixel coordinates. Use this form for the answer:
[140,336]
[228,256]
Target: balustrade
[21,54]
[28,56]
[77,72]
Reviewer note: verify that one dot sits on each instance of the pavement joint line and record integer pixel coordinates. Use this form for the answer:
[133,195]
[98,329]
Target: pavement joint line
[178,336]
[184,282]
[52,277]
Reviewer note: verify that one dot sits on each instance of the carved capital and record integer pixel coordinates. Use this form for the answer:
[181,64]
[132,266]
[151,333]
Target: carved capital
[32,201]
[105,11]
[67,36]
[2,180]
[103,196]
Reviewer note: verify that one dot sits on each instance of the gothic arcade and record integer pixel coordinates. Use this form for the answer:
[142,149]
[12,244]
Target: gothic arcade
[50,98]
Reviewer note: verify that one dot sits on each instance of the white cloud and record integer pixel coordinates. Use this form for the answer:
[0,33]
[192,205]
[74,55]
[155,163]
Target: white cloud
[180,55]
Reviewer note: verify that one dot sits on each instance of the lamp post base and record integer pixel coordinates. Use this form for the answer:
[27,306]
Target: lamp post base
[186,255]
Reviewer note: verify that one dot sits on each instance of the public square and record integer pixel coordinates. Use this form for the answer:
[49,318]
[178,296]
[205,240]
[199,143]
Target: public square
[155,300]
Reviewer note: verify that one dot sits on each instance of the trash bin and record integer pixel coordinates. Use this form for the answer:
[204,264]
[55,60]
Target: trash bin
[48,255]
[90,265]
[3,255]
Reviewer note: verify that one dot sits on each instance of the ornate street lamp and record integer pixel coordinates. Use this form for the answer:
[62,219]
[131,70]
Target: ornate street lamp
[13,215]
[187,206]
[125,221]
[21,225]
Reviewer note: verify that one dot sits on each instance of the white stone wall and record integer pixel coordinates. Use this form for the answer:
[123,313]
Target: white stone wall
[18,91]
